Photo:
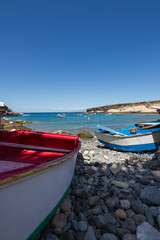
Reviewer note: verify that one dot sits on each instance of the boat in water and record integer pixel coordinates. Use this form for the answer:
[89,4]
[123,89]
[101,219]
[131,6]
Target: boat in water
[36,171]
[132,138]
[61,116]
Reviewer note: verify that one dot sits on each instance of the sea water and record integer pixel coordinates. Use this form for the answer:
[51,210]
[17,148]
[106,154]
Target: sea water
[75,122]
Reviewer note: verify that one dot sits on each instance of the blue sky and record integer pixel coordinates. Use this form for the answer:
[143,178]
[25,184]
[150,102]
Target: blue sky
[72,54]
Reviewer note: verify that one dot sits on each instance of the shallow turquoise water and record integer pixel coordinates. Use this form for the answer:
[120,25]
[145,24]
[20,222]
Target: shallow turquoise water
[75,122]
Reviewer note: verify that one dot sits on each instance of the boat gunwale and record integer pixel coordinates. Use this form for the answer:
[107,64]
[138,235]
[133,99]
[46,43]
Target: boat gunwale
[42,166]
[127,136]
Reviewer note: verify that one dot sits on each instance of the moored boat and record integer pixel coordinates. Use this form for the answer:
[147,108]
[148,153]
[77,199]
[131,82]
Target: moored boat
[61,116]
[36,170]
[130,138]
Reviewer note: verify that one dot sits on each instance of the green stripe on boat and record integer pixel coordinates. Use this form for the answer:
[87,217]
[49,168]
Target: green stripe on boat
[47,219]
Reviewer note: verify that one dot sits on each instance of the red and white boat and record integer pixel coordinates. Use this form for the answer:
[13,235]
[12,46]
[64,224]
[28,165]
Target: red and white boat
[36,170]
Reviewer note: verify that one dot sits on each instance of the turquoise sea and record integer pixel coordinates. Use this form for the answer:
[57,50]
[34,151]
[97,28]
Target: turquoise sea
[75,122]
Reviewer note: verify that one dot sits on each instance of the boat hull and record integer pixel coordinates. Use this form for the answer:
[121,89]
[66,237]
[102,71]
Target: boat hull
[135,143]
[28,203]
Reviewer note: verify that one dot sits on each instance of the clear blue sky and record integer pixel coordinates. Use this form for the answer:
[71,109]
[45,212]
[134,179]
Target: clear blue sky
[71,54]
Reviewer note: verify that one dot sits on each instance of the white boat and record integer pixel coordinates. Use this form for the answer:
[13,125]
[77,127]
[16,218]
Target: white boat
[36,170]
[125,140]
[61,116]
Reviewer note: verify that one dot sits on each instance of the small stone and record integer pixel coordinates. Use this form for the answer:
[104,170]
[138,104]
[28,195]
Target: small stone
[149,217]
[120,184]
[58,230]
[115,168]
[121,232]
[68,235]
[137,207]
[79,235]
[51,236]
[158,220]
[90,171]
[66,206]
[108,236]
[99,221]
[154,211]
[85,152]
[97,209]
[129,223]
[86,157]
[105,157]
[156,174]
[129,236]
[67,227]
[139,218]
[94,200]
[82,226]
[81,193]
[59,220]
[75,224]
[90,234]
[119,213]
[146,232]
[125,204]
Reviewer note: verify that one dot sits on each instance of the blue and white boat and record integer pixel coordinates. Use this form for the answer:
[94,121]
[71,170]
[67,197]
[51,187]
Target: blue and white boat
[131,138]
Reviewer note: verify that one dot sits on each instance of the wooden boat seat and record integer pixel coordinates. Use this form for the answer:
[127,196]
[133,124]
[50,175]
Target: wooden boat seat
[8,169]
[32,147]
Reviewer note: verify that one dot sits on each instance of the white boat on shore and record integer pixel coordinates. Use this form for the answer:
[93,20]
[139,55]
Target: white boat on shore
[36,170]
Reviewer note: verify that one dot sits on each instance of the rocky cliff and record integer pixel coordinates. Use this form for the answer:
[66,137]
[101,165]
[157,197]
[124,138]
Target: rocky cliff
[138,107]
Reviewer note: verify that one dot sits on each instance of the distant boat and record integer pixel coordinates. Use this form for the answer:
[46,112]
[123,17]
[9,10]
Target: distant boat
[61,116]
[36,170]
[89,118]
[129,139]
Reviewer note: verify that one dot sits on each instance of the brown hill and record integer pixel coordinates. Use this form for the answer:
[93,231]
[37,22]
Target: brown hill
[138,107]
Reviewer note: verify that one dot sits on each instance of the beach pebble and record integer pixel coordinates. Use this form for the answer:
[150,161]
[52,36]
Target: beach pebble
[108,236]
[94,200]
[129,236]
[125,204]
[59,220]
[119,213]
[115,168]
[120,184]
[82,226]
[90,235]
[51,236]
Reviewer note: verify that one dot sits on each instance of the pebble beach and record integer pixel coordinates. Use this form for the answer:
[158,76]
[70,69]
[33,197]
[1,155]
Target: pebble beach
[114,195]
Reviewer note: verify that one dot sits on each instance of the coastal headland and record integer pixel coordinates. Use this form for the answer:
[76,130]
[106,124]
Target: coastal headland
[138,107]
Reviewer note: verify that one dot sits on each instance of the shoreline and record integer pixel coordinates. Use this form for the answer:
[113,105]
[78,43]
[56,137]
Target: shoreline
[15,124]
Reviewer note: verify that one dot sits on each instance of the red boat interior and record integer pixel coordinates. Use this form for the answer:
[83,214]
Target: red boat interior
[21,151]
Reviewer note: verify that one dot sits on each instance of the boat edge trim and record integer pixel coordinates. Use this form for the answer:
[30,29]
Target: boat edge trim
[50,215]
